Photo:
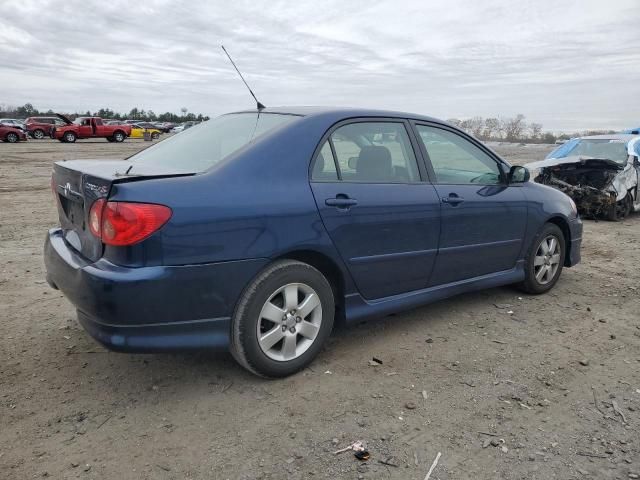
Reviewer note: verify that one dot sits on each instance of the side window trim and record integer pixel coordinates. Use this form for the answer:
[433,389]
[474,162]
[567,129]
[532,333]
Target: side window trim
[335,157]
[415,123]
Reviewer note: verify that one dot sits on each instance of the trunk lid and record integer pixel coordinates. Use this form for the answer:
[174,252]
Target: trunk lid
[78,184]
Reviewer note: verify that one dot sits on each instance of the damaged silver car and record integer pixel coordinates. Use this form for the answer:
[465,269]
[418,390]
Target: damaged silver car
[600,173]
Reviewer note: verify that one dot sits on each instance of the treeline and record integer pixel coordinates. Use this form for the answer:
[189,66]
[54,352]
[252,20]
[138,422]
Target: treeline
[514,129]
[28,110]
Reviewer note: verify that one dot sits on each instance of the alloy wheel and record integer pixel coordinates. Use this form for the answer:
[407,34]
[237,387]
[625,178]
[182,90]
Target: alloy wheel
[547,259]
[289,322]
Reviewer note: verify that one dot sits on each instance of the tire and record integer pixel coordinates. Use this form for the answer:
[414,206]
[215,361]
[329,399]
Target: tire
[155,136]
[38,134]
[619,210]
[69,137]
[535,282]
[110,139]
[265,295]
[12,138]
[118,137]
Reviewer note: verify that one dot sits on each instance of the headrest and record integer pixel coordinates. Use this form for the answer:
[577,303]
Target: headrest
[374,164]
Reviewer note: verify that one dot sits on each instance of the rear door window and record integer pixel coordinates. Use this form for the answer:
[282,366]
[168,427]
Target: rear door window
[375,152]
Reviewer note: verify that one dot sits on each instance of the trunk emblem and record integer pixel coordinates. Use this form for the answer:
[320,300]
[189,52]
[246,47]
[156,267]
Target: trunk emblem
[68,192]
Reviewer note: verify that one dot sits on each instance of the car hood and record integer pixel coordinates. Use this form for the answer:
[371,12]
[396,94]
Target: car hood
[576,160]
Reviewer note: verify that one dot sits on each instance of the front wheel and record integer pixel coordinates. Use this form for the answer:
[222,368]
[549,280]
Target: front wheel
[282,319]
[110,139]
[155,136]
[118,137]
[545,260]
[38,134]
[619,210]
[69,137]
[12,137]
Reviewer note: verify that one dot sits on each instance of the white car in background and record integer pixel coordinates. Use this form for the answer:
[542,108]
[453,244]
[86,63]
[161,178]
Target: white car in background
[600,173]
[12,122]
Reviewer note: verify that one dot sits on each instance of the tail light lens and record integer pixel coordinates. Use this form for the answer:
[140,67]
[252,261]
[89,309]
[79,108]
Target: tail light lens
[126,223]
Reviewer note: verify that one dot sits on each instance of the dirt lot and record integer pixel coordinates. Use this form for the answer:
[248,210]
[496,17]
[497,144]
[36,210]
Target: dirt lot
[494,365]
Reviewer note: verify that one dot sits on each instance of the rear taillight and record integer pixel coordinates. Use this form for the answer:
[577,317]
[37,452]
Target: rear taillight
[126,223]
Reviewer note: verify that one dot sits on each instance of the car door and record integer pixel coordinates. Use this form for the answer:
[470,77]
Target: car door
[381,214]
[85,130]
[483,217]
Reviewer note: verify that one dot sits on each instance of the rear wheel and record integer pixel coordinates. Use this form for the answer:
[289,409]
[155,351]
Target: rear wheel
[118,137]
[545,260]
[38,134]
[155,135]
[282,319]
[69,137]
[12,137]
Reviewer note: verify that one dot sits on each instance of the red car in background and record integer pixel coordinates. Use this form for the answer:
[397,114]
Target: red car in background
[12,134]
[90,127]
[40,127]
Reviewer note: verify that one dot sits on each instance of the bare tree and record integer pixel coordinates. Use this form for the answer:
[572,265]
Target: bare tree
[536,130]
[513,127]
[454,121]
[476,126]
[491,128]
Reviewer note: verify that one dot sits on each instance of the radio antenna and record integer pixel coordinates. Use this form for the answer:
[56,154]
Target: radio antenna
[260,105]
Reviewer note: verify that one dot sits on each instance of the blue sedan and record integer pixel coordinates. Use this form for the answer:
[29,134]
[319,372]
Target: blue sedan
[257,230]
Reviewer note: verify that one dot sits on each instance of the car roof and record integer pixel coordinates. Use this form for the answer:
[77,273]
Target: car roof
[346,112]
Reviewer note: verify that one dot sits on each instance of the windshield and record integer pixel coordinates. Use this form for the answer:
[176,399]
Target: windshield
[202,146]
[611,149]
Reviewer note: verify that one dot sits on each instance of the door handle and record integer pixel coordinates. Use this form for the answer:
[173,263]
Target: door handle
[341,201]
[452,199]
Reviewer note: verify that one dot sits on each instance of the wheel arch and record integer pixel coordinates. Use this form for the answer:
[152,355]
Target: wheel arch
[329,268]
[563,225]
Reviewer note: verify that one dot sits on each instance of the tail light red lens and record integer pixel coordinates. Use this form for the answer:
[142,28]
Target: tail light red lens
[126,223]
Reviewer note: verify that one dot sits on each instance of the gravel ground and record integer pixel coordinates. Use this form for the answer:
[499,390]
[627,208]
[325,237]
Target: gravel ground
[540,377]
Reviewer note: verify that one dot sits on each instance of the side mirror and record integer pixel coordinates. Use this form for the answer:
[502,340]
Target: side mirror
[519,174]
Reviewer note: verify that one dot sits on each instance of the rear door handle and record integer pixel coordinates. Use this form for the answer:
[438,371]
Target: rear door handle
[341,201]
[452,199]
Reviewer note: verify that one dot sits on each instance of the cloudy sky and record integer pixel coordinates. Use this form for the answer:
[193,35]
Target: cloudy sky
[569,64]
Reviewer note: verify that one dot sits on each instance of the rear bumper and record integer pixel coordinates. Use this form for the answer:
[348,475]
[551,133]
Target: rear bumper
[159,308]
[210,334]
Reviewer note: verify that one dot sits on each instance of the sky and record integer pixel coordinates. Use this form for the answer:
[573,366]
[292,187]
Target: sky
[570,65]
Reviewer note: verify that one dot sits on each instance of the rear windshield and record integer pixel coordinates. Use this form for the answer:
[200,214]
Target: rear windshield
[202,146]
